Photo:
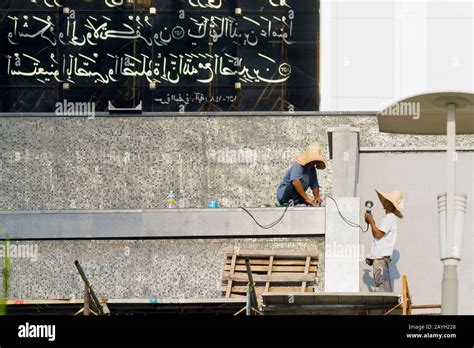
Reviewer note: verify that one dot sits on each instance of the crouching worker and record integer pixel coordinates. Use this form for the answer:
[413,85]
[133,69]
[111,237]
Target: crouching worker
[301,176]
[385,236]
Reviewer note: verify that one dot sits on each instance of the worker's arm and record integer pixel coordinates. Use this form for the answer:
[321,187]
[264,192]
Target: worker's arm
[299,188]
[369,218]
[317,199]
[314,184]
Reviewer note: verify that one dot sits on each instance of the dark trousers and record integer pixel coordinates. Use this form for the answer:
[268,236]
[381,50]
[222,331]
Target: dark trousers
[291,194]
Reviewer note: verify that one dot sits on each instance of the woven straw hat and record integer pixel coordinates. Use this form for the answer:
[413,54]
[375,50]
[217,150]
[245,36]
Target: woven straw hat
[395,197]
[312,153]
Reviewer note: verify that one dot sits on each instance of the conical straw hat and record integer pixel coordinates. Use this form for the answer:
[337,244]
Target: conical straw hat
[312,153]
[395,197]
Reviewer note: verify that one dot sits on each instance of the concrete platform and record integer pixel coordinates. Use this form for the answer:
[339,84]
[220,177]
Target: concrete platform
[161,223]
[274,304]
[330,303]
[218,306]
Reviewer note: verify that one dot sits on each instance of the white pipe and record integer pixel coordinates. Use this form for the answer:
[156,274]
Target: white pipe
[451,176]
[450,296]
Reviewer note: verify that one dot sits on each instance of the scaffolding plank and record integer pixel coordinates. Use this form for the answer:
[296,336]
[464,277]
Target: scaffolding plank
[280,253]
[274,268]
[279,262]
[232,270]
[280,277]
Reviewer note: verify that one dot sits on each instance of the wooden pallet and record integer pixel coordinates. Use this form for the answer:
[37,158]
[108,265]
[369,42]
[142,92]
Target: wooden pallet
[273,271]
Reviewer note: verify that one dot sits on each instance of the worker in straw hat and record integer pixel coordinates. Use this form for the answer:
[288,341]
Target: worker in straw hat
[385,236]
[301,176]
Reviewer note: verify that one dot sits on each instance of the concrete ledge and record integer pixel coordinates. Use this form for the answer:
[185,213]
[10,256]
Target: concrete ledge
[333,298]
[164,223]
[336,303]
[220,306]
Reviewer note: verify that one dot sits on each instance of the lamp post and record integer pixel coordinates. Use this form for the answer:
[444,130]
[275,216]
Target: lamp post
[441,113]
[450,244]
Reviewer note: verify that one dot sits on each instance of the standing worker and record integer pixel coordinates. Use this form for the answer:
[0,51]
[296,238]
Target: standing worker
[385,236]
[301,175]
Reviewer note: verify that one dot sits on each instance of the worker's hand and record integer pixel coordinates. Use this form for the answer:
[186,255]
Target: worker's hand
[310,202]
[369,218]
[318,200]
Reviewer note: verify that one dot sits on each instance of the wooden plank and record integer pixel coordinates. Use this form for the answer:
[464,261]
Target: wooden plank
[279,262]
[280,277]
[243,297]
[239,276]
[275,269]
[427,306]
[406,300]
[280,253]
[295,286]
[226,275]
[393,309]
[232,269]
[269,272]
[427,314]
[272,289]
[306,270]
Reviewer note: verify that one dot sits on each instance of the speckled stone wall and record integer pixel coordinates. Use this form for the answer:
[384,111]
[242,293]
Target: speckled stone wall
[129,163]
[125,269]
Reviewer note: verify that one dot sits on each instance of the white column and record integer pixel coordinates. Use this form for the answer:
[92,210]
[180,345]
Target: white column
[450,283]
[342,254]
[344,152]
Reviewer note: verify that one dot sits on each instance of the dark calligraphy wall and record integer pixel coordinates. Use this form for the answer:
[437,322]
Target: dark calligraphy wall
[191,55]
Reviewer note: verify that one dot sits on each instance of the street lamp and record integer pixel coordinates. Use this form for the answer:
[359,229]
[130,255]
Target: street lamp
[440,113]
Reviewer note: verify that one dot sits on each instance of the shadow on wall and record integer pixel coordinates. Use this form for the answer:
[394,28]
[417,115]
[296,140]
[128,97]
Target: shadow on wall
[394,274]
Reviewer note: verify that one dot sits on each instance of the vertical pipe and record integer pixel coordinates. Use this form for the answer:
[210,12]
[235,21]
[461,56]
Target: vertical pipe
[248,308]
[86,301]
[449,288]
[449,298]
[252,296]
[451,172]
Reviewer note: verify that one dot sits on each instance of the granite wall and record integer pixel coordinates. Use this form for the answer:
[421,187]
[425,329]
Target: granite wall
[125,269]
[133,163]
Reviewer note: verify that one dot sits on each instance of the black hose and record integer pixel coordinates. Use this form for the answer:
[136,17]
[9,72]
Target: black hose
[350,223]
[273,224]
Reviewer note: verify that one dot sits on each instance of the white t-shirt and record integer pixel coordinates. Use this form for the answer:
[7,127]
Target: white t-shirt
[384,246]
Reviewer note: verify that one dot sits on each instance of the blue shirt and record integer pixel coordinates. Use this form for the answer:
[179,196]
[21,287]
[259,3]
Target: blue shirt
[306,174]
